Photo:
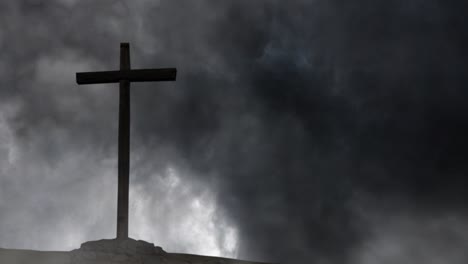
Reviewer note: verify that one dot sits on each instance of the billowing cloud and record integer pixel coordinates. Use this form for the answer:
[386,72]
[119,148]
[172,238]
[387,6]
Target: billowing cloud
[287,119]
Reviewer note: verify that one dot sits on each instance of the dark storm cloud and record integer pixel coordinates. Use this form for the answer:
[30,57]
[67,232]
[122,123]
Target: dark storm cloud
[312,120]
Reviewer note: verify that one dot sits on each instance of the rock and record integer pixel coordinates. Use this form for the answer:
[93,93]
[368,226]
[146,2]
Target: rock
[117,251]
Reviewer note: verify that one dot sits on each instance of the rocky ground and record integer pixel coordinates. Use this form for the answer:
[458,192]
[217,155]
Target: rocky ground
[110,251]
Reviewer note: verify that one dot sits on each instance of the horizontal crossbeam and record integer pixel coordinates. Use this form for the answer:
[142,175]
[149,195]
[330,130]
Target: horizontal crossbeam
[142,75]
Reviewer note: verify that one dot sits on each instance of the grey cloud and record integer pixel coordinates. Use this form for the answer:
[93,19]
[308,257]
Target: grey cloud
[288,112]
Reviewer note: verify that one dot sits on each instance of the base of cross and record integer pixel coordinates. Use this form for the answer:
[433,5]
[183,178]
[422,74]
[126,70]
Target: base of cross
[129,250]
[126,246]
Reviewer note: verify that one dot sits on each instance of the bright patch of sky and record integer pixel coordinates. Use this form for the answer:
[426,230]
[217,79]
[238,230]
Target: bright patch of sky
[188,217]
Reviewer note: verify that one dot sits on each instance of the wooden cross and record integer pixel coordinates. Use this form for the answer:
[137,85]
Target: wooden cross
[124,76]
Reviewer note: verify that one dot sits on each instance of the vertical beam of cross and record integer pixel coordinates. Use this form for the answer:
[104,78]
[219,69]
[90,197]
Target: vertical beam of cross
[124,145]
[124,76]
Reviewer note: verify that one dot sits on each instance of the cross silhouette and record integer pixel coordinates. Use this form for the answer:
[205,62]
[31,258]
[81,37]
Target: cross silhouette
[124,77]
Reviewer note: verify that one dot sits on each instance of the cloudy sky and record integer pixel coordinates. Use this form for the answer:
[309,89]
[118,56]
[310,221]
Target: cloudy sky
[306,131]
